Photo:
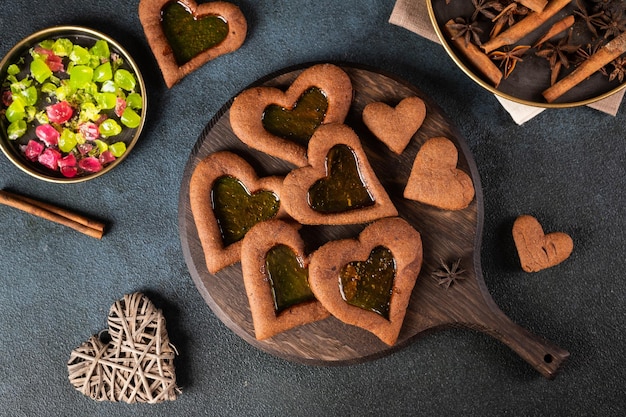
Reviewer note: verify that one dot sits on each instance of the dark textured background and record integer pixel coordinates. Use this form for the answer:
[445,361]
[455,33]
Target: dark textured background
[566,167]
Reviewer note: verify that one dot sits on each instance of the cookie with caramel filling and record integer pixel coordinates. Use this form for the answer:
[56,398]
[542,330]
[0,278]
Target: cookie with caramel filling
[280,123]
[275,273]
[368,281]
[338,186]
[227,198]
[184,35]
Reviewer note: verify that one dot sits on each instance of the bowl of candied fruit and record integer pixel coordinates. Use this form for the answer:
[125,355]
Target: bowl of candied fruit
[73,104]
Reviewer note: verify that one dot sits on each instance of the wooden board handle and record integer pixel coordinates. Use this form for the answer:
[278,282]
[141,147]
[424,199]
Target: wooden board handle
[546,357]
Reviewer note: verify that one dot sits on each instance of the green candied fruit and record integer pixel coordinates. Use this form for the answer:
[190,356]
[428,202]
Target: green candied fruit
[110,128]
[117,149]
[101,49]
[15,111]
[103,73]
[42,117]
[101,145]
[130,118]
[64,92]
[62,47]
[124,79]
[80,76]
[89,111]
[39,70]
[16,129]
[30,95]
[105,100]
[48,88]
[67,140]
[134,101]
[79,55]
[108,87]
[13,69]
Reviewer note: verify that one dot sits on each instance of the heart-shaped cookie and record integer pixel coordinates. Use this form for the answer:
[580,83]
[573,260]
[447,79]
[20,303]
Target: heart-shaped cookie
[342,274]
[136,365]
[395,126]
[537,250]
[227,198]
[338,186]
[435,178]
[252,110]
[275,273]
[184,35]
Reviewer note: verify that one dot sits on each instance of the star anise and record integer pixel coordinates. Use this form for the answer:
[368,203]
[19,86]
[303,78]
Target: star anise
[509,57]
[468,30]
[614,23]
[486,7]
[448,275]
[592,21]
[619,70]
[558,55]
[507,17]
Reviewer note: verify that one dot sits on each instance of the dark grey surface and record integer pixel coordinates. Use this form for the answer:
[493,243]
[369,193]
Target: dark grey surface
[566,167]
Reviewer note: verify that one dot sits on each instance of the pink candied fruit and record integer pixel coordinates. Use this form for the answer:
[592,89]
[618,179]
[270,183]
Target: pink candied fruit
[106,157]
[67,165]
[90,164]
[59,112]
[120,106]
[48,134]
[33,149]
[84,148]
[54,62]
[89,130]
[50,158]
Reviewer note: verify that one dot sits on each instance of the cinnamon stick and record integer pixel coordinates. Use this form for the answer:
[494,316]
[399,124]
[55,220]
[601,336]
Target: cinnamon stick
[480,60]
[53,213]
[557,28]
[524,26]
[534,5]
[612,50]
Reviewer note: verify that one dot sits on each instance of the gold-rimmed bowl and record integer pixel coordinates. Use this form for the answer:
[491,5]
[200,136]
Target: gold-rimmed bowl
[532,75]
[14,148]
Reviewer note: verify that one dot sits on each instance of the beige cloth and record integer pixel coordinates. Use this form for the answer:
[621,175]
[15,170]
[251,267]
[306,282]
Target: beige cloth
[413,15]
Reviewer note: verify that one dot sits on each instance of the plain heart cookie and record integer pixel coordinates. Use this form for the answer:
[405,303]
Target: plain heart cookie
[227,198]
[368,281]
[275,274]
[184,35]
[435,178]
[136,365]
[280,123]
[537,250]
[338,186]
[395,126]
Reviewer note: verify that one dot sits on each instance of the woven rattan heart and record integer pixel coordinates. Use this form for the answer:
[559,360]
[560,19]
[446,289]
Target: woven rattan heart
[137,365]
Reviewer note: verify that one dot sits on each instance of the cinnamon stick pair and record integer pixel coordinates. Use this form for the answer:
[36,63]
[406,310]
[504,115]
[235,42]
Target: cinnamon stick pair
[53,213]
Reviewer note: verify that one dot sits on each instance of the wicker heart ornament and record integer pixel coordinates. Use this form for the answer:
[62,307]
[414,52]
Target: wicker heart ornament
[136,365]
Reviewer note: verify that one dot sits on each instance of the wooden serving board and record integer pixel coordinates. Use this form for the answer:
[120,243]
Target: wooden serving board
[446,235]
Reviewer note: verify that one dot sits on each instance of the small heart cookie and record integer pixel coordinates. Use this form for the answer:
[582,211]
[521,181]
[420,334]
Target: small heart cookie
[395,126]
[227,199]
[275,273]
[280,123]
[367,282]
[537,250]
[435,179]
[136,365]
[184,35]
[338,186]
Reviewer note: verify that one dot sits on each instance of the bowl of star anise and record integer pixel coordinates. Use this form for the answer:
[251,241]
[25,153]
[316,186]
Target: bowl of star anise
[546,53]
